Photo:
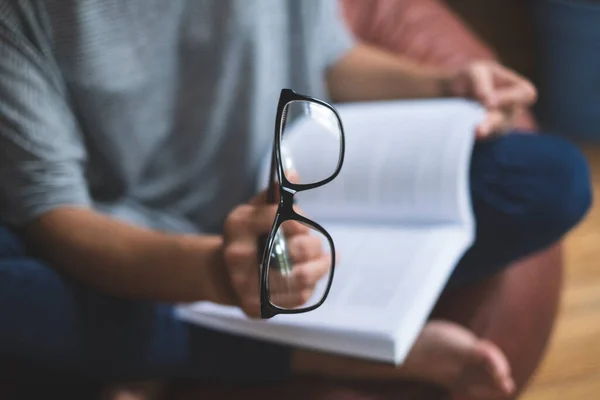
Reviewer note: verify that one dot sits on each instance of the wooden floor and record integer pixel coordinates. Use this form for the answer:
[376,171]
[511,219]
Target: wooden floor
[571,370]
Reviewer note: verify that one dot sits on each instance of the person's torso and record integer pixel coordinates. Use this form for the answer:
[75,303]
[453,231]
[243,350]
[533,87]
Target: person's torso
[176,99]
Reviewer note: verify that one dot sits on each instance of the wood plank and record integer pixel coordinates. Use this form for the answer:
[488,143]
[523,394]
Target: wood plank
[571,369]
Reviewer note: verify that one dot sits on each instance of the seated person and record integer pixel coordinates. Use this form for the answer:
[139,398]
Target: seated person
[130,138]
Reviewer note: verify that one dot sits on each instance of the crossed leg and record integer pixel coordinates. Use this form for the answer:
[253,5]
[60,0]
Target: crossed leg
[527,192]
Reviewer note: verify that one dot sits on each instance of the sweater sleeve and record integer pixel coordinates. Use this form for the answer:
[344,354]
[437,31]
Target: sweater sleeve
[42,154]
[333,33]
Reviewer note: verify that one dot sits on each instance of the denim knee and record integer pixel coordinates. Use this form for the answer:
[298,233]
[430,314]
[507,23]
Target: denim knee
[526,184]
[564,194]
[10,244]
[528,191]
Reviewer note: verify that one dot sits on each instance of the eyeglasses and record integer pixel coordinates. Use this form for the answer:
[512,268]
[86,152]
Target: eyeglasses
[318,154]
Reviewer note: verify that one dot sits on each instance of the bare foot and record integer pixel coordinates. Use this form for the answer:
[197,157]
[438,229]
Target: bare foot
[450,355]
[445,354]
[134,391]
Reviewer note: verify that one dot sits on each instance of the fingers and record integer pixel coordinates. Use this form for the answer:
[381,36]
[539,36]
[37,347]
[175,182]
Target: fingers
[503,92]
[262,221]
[506,76]
[483,84]
[304,247]
[498,87]
[521,94]
[290,300]
[493,123]
[296,289]
[304,275]
[247,222]
[497,122]
[512,90]
[307,275]
[310,265]
[243,228]
[261,198]
[292,176]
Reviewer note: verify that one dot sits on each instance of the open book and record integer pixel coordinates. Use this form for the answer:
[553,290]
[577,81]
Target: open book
[400,215]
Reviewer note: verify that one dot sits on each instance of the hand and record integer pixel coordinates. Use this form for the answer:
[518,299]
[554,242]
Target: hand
[503,92]
[242,255]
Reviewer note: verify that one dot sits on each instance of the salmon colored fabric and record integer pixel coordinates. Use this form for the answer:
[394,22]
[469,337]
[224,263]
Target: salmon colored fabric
[425,30]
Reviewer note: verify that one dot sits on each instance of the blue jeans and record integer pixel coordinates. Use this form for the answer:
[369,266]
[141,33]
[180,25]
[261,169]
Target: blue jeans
[527,192]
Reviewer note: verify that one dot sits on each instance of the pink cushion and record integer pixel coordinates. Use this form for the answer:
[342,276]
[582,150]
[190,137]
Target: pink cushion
[424,30]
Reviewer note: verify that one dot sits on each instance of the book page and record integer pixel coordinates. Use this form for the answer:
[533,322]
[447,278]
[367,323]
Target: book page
[384,287]
[405,162]
[399,214]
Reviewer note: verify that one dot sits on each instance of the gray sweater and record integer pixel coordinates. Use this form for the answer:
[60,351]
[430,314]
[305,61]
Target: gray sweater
[156,112]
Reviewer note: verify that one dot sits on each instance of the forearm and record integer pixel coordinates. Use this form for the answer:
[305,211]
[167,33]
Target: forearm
[127,261]
[368,73]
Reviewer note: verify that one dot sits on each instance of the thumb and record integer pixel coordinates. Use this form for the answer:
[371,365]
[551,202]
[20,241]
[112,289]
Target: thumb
[482,81]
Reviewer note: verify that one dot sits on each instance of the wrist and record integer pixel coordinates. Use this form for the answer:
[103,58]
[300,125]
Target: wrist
[429,82]
[206,256]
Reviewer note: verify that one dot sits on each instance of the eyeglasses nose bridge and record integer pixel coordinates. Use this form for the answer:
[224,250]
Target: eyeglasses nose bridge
[287,201]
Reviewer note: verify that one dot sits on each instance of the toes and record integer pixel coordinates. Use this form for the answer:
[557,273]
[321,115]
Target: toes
[497,365]
[454,357]
[494,373]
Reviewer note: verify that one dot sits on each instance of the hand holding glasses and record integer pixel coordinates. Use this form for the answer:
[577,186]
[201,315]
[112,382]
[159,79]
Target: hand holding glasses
[279,281]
